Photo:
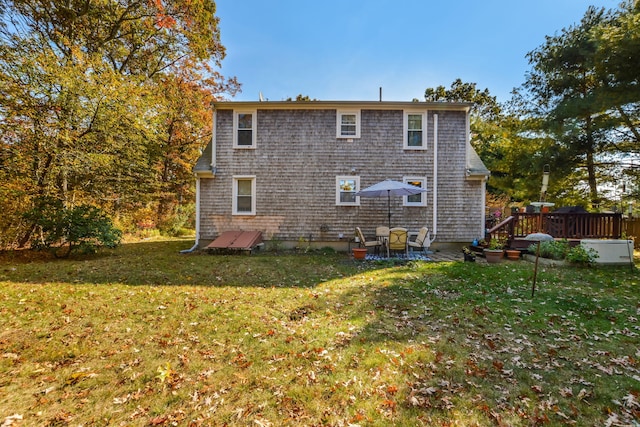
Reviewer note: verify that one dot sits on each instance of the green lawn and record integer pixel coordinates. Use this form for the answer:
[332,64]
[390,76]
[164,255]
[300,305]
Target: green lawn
[146,336]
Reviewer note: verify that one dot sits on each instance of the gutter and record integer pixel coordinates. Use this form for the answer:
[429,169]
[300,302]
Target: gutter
[323,105]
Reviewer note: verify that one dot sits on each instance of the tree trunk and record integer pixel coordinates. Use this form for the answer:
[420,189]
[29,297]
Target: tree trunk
[593,186]
[41,191]
[591,167]
[26,237]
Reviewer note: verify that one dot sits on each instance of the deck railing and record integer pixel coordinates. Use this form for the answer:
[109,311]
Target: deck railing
[560,225]
[631,227]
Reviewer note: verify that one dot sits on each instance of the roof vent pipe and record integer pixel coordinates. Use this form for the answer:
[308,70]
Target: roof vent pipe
[380,93]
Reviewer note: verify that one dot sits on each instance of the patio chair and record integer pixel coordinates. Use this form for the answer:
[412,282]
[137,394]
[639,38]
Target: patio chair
[367,243]
[397,241]
[382,234]
[422,242]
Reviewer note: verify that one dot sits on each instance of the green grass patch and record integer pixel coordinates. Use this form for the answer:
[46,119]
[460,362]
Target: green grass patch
[144,335]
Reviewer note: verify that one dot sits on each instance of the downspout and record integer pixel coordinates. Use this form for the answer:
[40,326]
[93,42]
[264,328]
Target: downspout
[214,150]
[483,188]
[195,245]
[435,177]
[197,211]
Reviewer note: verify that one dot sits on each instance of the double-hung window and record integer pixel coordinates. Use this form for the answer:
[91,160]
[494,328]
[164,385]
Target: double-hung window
[244,129]
[419,199]
[244,195]
[346,189]
[348,124]
[415,130]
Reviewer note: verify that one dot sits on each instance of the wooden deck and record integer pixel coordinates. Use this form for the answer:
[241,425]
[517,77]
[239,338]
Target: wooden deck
[631,227]
[570,226]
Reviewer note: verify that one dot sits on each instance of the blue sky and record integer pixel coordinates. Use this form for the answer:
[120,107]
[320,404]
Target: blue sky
[347,49]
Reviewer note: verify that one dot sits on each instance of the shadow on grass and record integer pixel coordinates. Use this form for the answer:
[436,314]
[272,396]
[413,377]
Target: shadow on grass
[419,301]
[159,263]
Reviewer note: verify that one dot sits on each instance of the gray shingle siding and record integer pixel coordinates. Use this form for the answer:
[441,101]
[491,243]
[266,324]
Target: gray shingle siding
[296,161]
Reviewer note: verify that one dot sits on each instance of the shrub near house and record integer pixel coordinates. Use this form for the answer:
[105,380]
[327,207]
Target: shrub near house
[65,230]
[561,250]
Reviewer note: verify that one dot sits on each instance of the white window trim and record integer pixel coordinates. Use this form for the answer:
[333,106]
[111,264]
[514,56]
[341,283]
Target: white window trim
[423,196]
[253,129]
[405,129]
[235,195]
[343,177]
[339,114]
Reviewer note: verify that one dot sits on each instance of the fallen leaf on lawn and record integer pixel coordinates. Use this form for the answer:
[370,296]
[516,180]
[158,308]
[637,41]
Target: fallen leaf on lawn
[47,390]
[165,374]
[389,404]
[11,419]
[536,388]
[566,392]
[76,377]
[311,376]
[446,402]
[630,401]
[156,421]
[429,390]
[583,394]
[13,356]
[121,400]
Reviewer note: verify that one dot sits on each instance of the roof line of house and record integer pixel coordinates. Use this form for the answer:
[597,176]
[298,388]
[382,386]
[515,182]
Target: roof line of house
[370,105]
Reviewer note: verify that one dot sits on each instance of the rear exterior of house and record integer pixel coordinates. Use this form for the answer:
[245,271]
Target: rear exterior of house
[291,170]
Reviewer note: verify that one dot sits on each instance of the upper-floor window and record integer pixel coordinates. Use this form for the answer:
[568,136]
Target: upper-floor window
[348,124]
[419,199]
[346,189]
[244,129]
[244,195]
[415,130]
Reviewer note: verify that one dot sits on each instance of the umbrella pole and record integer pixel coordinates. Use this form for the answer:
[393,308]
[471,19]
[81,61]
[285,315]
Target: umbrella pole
[389,206]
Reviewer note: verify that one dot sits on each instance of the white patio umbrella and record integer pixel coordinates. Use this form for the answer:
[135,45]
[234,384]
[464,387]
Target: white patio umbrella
[390,188]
